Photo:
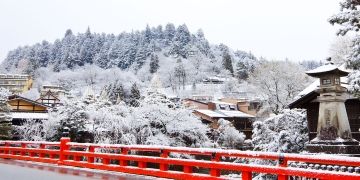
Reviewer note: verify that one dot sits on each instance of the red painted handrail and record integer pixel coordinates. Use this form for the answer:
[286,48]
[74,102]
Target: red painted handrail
[98,156]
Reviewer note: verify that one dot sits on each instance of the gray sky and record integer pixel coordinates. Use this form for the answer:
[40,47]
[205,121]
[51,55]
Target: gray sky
[275,29]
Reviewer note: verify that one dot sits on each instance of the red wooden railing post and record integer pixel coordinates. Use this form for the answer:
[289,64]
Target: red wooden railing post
[106,161]
[7,145]
[63,147]
[13,152]
[245,175]
[124,151]
[91,150]
[42,146]
[23,146]
[282,163]
[188,169]
[141,164]
[164,154]
[215,172]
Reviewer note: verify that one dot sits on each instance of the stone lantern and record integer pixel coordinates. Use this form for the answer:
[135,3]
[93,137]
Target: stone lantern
[333,129]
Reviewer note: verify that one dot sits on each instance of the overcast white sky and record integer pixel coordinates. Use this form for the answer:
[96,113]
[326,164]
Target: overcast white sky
[275,29]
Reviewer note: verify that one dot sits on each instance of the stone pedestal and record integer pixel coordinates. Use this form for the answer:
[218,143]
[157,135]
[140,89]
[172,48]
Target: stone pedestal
[347,149]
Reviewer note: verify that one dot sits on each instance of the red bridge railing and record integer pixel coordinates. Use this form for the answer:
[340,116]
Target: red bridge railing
[156,161]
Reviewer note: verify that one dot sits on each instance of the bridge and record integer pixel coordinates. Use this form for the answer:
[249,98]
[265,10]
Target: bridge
[172,162]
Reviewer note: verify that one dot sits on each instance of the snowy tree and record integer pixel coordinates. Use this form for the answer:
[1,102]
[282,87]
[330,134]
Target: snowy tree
[169,33]
[285,133]
[349,20]
[134,96]
[340,49]
[30,130]
[180,42]
[180,74]
[241,71]
[228,136]
[227,62]
[5,116]
[113,92]
[310,64]
[154,63]
[279,82]
[72,115]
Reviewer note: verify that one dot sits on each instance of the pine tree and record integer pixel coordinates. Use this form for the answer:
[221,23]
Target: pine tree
[227,62]
[241,71]
[135,96]
[154,63]
[349,20]
[169,33]
[181,40]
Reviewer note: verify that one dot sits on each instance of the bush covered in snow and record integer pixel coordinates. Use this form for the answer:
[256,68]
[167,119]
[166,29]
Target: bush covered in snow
[286,133]
[5,117]
[228,136]
[155,121]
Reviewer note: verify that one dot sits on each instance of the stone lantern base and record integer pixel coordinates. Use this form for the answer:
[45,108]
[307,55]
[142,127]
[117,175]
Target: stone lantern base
[346,147]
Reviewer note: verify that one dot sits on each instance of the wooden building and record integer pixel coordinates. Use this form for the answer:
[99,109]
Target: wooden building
[228,111]
[194,104]
[23,109]
[49,99]
[21,104]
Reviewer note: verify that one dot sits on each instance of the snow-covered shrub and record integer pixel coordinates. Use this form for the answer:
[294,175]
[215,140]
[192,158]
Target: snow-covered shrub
[5,117]
[286,132]
[229,137]
[72,115]
[354,83]
[30,130]
[155,122]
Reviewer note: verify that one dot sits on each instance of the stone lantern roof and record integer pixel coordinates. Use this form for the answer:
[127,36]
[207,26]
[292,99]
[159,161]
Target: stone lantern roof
[328,68]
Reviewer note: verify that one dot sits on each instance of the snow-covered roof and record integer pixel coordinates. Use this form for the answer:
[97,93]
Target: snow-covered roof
[327,68]
[211,113]
[221,102]
[23,115]
[224,113]
[236,114]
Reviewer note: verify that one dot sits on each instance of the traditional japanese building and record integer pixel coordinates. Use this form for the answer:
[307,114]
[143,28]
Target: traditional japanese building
[228,111]
[23,109]
[333,114]
[49,98]
[16,83]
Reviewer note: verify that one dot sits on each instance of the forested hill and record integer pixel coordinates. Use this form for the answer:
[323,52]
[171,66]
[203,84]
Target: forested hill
[108,50]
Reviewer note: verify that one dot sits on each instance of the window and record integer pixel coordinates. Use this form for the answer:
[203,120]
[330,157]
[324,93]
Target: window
[326,81]
[222,106]
[337,81]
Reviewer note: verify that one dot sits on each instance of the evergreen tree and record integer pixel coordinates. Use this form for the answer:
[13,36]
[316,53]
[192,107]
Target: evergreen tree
[241,71]
[148,35]
[349,20]
[181,40]
[169,33]
[227,62]
[154,63]
[134,96]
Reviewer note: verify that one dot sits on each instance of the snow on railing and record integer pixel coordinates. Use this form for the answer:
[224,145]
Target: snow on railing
[157,160]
